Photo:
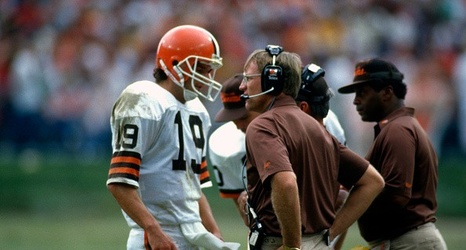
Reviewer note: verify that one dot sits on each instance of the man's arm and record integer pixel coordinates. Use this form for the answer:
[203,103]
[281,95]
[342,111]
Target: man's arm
[359,199]
[128,198]
[342,195]
[208,218]
[285,201]
[242,207]
[235,200]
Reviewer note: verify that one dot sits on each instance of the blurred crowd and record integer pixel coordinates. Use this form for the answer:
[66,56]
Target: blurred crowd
[64,62]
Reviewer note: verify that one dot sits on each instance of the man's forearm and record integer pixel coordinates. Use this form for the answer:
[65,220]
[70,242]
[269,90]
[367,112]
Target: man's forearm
[208,218]
[359,199]
[128,198]
[285,201]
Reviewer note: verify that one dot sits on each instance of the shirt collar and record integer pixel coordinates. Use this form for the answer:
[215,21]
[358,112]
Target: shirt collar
[403,111]
[283,100]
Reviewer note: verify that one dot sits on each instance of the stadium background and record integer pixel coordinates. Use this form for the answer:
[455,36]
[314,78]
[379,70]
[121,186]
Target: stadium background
[63,63]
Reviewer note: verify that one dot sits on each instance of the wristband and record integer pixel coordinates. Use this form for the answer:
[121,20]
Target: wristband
[327,237]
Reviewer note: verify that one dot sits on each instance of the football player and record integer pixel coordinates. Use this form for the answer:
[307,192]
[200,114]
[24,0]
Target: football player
[159,130]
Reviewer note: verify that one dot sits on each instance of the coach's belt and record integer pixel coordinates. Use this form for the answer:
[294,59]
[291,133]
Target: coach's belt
[276,239]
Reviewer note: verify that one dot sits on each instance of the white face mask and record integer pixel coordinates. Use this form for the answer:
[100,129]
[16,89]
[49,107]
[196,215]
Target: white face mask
[212,87]
[189,95]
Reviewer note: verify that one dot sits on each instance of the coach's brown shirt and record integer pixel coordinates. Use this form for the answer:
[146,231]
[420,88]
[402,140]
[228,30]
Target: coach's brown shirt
[404,156]
[287,139]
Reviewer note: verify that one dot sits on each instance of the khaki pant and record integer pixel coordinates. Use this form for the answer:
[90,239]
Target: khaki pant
[422,237]
[186,236]
[308,242]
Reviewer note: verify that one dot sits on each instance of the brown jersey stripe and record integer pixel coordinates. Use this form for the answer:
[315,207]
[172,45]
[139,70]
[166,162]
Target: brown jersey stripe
[127,153]
[205,175]
[125,164]
[123,175]
[205,179]
[124,170]
[203,168]
[203,163]
[204,171]
[125,159]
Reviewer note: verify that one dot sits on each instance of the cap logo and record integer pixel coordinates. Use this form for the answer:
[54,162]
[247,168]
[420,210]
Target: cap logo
[359,72]
[230,97]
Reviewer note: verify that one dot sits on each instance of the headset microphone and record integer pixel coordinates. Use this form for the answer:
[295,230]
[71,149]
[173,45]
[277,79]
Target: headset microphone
[245,97]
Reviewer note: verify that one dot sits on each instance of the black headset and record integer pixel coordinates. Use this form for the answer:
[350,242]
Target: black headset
[309,75]
[272,79]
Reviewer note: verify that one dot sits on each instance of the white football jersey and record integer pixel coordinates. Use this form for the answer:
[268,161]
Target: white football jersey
[333,126]
[159,146]
[227,152]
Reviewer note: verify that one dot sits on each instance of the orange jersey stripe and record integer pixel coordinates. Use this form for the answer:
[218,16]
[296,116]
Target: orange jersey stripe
[204,171]
[203,164]
[205,175]
[127,159]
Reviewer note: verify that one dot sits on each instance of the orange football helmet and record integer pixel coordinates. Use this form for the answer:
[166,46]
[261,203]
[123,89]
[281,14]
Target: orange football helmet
[181,50]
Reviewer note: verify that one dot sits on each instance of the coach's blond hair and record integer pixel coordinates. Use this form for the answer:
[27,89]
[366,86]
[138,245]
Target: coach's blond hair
[291,66]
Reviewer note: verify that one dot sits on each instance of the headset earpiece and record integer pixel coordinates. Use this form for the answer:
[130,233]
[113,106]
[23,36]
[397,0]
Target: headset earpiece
[272,77]
[272,74]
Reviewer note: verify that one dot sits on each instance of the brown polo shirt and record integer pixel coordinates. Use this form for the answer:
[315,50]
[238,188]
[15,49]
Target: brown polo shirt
[404,156]
[286,139]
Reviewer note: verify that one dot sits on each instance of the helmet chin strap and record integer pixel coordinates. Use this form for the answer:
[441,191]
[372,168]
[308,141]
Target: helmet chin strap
[171,76]
[187,94]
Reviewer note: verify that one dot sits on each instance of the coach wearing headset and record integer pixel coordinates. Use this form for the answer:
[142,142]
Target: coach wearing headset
[294,166]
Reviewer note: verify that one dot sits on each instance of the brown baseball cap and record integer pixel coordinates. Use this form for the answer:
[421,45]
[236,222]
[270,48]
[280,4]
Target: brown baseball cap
[374,71]
[233,105]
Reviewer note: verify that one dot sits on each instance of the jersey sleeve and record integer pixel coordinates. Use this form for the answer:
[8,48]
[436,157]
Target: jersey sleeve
[205,175]
[129,144]
[333,126]
[227,154]
[132,133]
[124,168]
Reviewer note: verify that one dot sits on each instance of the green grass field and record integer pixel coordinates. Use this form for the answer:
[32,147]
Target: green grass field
[106,229]
[53,204]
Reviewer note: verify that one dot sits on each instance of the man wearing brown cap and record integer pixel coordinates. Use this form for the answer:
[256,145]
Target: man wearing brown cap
[403,215]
